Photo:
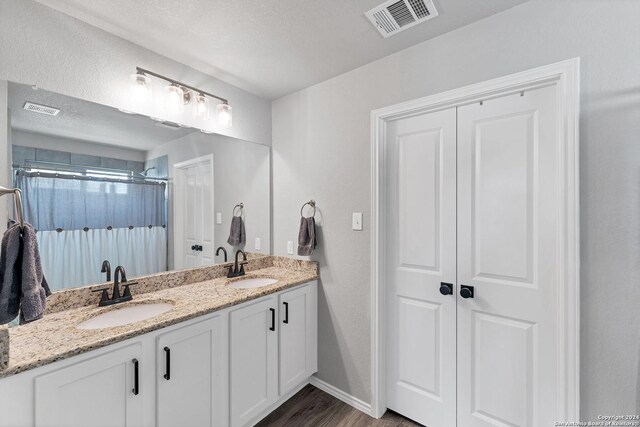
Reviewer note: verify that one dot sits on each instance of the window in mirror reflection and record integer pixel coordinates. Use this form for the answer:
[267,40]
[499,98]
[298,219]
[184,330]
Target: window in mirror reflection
[84,216]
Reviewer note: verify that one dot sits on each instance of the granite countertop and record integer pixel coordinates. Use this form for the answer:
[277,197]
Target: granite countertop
[55,337]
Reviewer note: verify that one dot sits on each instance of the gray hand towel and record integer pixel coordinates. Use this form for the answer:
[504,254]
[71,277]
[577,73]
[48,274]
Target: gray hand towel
[307,240]
[23,288]
[237,235]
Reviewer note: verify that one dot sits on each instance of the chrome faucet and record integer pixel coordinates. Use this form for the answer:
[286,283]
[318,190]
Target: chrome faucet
[223,250]
[118,275]
[106,268]
[237,268]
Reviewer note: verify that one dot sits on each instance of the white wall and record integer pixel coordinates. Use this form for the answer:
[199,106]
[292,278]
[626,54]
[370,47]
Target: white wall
[241,174]
[76,146]
[321,150]
[41,46]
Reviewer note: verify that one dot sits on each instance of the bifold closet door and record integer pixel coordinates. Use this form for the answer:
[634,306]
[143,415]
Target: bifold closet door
[421,259]
[509,210]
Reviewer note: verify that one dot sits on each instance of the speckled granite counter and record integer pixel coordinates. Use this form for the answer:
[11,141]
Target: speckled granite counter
[56,337]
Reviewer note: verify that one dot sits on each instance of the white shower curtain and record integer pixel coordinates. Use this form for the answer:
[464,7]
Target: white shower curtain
[74,257]
[83,220]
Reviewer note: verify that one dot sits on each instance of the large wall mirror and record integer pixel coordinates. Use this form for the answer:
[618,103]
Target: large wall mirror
[101,184]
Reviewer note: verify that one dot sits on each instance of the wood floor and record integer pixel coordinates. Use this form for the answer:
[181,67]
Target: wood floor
[313,407]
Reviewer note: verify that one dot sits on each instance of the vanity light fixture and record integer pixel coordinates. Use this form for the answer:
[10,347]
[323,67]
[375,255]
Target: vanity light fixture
[174,99]
[141,92]
[178,94]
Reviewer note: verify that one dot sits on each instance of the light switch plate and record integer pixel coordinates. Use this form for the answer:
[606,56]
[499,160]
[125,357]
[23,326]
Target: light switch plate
[257,243]
[290,247]
[218,218]
[356,221]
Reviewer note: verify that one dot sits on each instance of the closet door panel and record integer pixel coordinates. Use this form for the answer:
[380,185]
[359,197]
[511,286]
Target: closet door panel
[508,239]
[420,255]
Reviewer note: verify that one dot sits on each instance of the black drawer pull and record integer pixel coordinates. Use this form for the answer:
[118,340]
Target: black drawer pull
[286,312]
[136,377]
[273,319]
[167,361]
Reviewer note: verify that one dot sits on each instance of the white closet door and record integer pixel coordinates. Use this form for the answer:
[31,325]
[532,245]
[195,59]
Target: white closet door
[198,216]
[421,253]
[508,240]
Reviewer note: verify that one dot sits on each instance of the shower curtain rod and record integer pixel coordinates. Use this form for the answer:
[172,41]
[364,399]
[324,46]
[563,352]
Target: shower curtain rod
[82,175]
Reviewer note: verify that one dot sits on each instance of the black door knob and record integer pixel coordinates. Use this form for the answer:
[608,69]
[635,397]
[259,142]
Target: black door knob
[194,248]
[446,288]
[466,291]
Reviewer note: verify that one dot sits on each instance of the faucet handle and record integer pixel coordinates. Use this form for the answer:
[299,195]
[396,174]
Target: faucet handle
[126,292]
[105,295]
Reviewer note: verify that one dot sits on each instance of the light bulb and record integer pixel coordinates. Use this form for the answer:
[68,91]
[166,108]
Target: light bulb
[225,117]
[201,107]
[174,99]
[140,88]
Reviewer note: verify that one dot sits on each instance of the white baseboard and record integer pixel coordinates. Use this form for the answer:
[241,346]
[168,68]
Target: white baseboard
[341,395]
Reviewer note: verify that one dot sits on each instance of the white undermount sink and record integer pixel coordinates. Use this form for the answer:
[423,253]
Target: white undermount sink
[124,316]
[256,282]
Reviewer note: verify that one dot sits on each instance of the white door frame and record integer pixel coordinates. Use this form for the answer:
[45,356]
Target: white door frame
[566,76]
[178,201]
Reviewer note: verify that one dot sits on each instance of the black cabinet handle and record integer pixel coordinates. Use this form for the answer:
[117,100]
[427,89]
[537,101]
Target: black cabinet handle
[466,291]
[286,312]
[273,319]
[167,361]
[446,288]
[136,377]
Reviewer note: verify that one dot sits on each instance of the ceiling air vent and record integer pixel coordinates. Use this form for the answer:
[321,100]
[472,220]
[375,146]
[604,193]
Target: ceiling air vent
[41,109]
[398,15]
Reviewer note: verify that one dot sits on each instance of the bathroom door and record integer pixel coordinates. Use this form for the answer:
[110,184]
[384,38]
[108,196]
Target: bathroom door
[193,199]
[421,259]
[509,223]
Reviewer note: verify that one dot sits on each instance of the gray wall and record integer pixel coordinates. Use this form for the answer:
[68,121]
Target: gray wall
[321,150]
[62,54]
[241,172]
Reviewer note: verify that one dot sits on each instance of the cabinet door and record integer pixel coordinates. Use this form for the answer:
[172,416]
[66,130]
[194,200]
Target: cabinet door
[191,375]
[96,392]
[298,336]
[253,360]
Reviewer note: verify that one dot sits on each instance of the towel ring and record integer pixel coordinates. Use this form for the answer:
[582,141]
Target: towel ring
[17,202]
[311,203]
[240,207]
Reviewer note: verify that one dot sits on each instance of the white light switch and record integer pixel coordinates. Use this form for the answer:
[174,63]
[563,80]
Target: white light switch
[218,218]
[290,247]
[257,243]
[356,221]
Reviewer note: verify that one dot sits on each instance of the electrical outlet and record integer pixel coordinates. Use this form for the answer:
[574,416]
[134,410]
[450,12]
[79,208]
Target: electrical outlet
[257,243]
[290,247]
[218,218]
[356,221]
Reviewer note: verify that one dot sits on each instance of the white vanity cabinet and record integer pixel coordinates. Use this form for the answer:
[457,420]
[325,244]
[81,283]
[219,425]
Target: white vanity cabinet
[192,375]
[298,336]
[101,391]
[231,367]
[253,359]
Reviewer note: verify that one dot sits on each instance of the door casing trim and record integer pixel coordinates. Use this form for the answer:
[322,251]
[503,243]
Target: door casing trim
[566,76]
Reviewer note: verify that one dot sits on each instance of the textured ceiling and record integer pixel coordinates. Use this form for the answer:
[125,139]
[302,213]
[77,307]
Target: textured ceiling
[270,48]
[86,121]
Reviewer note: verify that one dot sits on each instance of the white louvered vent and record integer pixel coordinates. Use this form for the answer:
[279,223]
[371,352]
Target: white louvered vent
[41,109]
[397,15]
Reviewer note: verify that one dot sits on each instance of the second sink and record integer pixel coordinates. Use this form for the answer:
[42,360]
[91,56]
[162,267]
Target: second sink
[256,282]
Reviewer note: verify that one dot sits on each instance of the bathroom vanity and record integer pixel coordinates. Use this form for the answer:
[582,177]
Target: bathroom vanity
[222,355]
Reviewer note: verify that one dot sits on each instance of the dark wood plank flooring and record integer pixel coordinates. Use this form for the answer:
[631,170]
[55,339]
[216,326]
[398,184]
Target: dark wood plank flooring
[313,407]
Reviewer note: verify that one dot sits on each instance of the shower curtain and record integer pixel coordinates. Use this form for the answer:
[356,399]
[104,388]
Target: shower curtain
[81,221]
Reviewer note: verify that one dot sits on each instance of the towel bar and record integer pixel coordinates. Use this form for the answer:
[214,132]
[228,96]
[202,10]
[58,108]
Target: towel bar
[17,201]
